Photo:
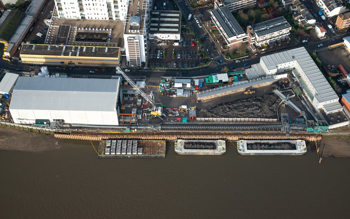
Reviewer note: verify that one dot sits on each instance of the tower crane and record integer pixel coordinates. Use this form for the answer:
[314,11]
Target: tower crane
[156,111]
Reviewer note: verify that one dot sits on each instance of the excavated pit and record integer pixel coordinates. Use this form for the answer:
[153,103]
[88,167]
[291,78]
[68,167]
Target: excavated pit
[201,145]
[255,107]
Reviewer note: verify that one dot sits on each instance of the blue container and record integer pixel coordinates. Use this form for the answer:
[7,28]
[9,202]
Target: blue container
[200,84]
[6,96]
[235,78]
[184,119]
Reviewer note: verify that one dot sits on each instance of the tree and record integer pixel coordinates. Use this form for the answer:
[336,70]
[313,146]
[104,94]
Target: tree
[251,13]
[241,50]
[275,5]
[224,69]
[271,2]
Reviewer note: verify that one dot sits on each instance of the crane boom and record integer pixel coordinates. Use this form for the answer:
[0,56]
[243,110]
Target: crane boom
[131,82]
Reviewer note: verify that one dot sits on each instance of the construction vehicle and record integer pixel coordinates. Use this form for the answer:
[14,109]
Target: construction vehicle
[248,91]
[156,110]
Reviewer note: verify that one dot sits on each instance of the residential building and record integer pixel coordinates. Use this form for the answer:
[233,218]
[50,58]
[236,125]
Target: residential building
[347,43]
[76,101]
[343,21]
[303,16]
[234,5]
[228,27]
[69,55]
[136,32]
[165,25]
[268,31]
[320,31]
[93,9]
[263,3]
[287,3]
[15,24]
[331,8]
[315,86]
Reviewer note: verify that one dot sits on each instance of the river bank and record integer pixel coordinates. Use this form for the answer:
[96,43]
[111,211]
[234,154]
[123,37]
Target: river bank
[19,140]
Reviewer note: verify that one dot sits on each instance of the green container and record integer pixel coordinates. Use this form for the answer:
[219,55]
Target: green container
[42,122]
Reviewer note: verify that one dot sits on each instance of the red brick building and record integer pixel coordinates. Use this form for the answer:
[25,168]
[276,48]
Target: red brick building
[343,21]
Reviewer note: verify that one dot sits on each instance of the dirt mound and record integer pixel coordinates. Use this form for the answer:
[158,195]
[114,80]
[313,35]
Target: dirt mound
[20,140]
[254,107]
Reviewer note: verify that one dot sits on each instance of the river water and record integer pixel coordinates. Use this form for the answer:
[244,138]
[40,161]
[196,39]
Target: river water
[73,182]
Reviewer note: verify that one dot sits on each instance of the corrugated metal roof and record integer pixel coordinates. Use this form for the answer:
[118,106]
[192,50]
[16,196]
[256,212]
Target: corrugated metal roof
[227,21]
[238,85]
[8,82]
[271,26]
[71,94]
[324,92]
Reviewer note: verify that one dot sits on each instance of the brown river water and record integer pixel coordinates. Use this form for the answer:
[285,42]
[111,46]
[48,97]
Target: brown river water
[73,182]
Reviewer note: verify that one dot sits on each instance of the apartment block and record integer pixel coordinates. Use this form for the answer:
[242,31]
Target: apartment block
[228,27]
[234,5]
[331,8]
[268,31]
[343,21]
[92,9]
[136,32]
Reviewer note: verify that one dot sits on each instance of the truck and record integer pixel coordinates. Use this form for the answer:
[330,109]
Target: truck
[342,70]
[189,17]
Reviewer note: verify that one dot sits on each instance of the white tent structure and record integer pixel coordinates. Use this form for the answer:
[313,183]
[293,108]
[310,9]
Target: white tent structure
[76,101]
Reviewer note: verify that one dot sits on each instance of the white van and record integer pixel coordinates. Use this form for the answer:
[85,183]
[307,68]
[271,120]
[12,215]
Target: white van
[39,34]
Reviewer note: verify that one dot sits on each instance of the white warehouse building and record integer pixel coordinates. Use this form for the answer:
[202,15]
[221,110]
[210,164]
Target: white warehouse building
[315,86]
[76,101]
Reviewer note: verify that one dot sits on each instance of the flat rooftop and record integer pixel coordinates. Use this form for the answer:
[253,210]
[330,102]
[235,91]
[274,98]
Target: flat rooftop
[165,22]
[227,21]
[345,15]
[136,17]
[56,35]
[41,93]
[34,7]
[271,26]
[70,50]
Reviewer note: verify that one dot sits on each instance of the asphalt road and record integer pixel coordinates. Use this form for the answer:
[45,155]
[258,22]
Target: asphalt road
[212,69]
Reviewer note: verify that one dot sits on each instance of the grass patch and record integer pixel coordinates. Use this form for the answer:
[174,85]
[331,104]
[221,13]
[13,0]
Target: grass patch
[316,59]
[332,82]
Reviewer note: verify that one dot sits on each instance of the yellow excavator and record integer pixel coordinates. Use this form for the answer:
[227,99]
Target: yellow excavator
[248,91]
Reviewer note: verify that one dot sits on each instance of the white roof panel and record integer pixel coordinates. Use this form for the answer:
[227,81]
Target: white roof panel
[8,82]
[71,94]
[324,92]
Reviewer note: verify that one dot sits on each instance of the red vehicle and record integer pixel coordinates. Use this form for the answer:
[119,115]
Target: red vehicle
[192,43]
[343,71]
[310,11]
[97,69]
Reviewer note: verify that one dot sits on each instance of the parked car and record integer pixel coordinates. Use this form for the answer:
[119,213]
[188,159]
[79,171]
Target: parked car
[91,72]
[174,64]
[238,61]
[323,17]
[245,64]
[220,60]
[192,43]
[320,45]
[178,56]
[97,69]
[39,34]
[127,70]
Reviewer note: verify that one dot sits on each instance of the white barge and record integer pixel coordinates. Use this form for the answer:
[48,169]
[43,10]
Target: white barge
[271,147]
[200,147]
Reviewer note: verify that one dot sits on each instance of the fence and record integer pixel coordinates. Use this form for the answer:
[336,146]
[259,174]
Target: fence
[28,128]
